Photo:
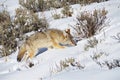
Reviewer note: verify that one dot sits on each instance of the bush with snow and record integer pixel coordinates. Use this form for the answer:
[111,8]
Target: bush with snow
[88,24]
[65,64]
[91,43]
[42,5]
[27,21]
[12,31]
[67,10]
[34,5]
[84,2]
[7,35]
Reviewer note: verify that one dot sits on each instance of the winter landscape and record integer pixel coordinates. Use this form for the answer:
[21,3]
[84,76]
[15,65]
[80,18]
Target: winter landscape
[96,56]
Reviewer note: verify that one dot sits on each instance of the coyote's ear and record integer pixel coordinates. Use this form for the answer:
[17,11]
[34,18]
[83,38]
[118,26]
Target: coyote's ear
[67,31]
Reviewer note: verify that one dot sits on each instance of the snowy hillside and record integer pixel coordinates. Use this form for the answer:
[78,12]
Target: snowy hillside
[101,62]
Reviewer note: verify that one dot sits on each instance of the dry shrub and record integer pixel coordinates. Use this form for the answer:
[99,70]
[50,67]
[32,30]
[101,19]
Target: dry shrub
[42,5]
[91,43]
[110,64]
[27,21]
[12,32]
[67,63]
[97,55]
[53,4]
[56,15]
[84,2]
[72,1]
[113,64]
[63,2]
[88,24]
[34,5]
[67,10]
[7,35]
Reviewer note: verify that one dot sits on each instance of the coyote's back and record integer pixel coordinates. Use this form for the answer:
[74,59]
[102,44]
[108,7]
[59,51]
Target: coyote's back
[51,38]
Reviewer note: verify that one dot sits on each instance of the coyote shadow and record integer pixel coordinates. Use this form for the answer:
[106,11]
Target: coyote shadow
[41,50]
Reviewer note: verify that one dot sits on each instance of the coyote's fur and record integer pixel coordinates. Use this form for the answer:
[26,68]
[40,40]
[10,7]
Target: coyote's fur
[51,38]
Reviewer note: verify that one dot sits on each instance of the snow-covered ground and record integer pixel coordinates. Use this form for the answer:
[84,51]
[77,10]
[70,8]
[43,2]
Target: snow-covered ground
[46,63]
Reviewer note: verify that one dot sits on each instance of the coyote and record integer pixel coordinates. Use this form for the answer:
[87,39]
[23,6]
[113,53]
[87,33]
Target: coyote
[50,38]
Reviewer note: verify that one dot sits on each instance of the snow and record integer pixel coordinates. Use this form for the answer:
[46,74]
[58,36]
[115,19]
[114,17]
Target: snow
[46,62]
[10,5]
[88,75]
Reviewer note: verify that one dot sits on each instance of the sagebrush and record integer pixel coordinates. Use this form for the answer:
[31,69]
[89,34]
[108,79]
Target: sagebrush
[27,21]
[91,43]
[66,63]
[13,31]
[67,10]
[88,24]
[84,2]
[7,37]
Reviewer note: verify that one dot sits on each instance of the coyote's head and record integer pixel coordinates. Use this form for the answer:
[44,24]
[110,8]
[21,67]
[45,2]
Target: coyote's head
[68,38]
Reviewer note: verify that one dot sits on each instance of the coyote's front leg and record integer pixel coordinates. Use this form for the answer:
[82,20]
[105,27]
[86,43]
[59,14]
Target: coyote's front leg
[56,45]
